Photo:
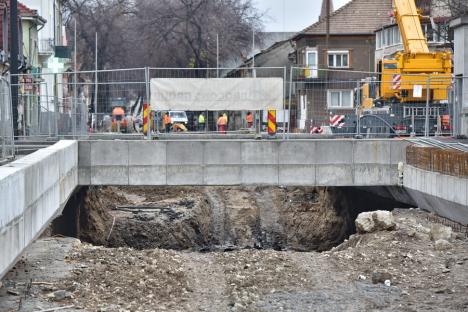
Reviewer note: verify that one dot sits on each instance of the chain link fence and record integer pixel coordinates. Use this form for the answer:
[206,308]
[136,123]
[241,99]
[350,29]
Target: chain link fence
[343,103]
[7,148]
[354,103]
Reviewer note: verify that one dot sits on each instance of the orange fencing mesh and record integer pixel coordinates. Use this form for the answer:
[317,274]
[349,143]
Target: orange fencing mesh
[451,162]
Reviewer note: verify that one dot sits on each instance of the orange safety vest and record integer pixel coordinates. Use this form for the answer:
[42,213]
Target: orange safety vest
[167,119]
[222,121]
[249,118]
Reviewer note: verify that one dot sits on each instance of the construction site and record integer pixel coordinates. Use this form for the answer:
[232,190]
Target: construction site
[327,170]
[239,249]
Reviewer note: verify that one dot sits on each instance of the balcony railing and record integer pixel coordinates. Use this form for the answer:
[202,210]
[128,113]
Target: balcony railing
[46,46]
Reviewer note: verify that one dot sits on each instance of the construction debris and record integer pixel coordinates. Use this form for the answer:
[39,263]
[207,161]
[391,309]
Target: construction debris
[368,222]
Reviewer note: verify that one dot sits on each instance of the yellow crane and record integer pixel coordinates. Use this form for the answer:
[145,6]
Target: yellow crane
[415,68]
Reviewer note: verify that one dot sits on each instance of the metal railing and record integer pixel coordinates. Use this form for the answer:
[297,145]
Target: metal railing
[46,46]
[7,144]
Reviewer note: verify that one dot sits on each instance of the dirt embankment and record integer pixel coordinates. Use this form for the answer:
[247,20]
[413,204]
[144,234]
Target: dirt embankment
[212,218]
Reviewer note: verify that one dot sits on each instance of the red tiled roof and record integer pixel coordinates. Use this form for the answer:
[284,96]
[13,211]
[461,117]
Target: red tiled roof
[355,17]
[23,10]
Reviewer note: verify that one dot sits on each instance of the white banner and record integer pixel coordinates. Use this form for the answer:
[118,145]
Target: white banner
[216,94]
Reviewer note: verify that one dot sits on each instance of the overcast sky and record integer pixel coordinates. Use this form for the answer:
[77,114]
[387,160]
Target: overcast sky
[297,15]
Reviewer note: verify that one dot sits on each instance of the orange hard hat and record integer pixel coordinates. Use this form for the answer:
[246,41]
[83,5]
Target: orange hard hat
[118,111]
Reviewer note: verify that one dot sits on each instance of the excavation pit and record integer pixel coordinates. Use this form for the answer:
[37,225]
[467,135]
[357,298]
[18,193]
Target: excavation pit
[216,218]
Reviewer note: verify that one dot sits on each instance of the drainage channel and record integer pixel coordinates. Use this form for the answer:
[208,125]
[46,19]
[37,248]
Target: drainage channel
[217,218]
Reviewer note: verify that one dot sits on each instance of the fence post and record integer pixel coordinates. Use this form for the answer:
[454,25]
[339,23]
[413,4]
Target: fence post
[56,102]
[289,100]
[358,110]
[428,95]
[3,126]
[284,95]
[148,94]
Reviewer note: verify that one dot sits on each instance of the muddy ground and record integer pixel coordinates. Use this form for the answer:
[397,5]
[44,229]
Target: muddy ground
[60,272]
[216,218]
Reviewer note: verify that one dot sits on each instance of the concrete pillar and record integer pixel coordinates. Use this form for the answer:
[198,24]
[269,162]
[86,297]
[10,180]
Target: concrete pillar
[460,29]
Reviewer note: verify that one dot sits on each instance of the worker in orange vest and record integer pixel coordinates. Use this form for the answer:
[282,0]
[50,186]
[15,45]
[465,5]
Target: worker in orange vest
[250,120]
[167,122]
[222,122]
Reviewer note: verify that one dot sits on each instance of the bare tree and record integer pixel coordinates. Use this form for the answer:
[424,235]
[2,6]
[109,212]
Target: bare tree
[172,33]
[455,8]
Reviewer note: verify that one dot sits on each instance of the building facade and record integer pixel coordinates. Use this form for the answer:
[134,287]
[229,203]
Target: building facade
[330,62]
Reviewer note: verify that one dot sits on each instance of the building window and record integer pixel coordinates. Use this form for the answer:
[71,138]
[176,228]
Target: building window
[312,64]
[388,37]
[338,59]
[340,98]
[379,39]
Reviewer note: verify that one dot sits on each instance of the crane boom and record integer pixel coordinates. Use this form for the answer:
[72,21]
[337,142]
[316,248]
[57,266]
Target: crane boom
[412,35]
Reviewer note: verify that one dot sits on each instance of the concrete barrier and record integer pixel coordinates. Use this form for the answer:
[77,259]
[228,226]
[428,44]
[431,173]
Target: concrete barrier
[33,190]
[241,162]
[442,194]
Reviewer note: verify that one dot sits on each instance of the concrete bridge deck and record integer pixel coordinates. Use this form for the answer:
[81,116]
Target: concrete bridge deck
[241,162]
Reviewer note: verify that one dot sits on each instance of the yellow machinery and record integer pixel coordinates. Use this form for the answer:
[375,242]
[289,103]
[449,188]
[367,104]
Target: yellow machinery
[416,67]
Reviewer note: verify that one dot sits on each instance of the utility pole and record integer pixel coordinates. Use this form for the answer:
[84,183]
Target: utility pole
[253,53]
[327,39]
[96,84]
[14,62]
[75,78]
[217,55]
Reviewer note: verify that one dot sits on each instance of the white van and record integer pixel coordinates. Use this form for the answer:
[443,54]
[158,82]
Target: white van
[178,117]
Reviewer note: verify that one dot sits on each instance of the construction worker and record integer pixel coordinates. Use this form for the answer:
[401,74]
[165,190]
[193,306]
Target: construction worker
[167,122]
[222,122]
[201,122]
[250,120]
[227,121]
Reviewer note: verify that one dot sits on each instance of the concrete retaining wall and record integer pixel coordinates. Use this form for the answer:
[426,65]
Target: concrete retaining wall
[33,190]
[204,162]
[442,194]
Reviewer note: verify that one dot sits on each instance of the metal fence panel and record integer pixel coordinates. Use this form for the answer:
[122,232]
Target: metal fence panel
[355,103]
[7,149]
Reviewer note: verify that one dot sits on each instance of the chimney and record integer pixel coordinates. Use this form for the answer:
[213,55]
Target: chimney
[323,13]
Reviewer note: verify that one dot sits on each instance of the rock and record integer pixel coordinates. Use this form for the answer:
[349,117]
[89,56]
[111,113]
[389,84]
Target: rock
[368,222]
[60,295]
[439,231]
[388,283]
[380,277]
[458,236]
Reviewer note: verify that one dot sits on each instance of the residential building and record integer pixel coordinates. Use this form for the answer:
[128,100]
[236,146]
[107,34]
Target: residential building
[29,24]
[330,63]
[53,53]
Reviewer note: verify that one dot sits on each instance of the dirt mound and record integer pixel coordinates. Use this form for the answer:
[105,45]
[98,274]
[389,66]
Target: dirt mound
[215,218]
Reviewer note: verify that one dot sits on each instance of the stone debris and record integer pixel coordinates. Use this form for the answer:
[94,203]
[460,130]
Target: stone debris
[442,244]
[380,277]
[439,231]
[60,295]
[368,222]
[377,271]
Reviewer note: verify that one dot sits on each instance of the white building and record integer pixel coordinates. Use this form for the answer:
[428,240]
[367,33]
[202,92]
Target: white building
[51,36]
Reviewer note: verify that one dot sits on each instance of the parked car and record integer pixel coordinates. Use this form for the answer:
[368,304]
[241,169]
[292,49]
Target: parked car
[178,117]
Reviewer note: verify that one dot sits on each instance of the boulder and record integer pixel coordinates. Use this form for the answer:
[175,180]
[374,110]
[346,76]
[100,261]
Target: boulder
[368,222]
[439,231]
[380,277]
[442,245]
[60,295]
